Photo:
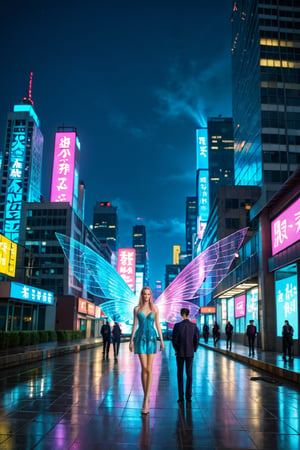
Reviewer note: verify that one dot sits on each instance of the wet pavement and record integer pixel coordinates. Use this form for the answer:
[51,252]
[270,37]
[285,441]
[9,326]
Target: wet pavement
[81,401]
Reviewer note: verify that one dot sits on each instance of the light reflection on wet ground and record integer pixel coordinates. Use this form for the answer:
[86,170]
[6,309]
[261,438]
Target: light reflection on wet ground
[81,401]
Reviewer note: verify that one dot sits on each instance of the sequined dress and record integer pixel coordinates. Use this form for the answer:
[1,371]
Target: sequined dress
[145,336]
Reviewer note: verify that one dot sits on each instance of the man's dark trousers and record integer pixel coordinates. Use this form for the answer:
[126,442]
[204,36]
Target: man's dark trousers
[189,376]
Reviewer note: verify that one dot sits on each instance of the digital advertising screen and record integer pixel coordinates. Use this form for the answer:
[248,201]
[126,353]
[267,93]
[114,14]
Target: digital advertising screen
[240,306]
[286,292]
[126,266]
[285,229]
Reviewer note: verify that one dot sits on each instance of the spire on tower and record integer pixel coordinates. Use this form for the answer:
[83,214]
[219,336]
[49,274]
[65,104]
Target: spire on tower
[28,100]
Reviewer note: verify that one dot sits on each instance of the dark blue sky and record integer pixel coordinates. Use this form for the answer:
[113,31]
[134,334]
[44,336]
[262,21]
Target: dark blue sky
[135,78]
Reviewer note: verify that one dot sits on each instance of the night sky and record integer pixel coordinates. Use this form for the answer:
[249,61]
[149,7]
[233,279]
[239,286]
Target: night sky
[136,78]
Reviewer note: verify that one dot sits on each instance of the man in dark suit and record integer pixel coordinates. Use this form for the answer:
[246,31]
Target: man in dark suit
[185,340]
[251,333]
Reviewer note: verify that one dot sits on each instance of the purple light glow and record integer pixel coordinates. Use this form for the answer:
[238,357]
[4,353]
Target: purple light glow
[285,229]
[63,167]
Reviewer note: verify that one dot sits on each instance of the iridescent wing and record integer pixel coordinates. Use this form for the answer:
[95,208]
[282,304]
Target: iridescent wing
[199,277]
[99,278]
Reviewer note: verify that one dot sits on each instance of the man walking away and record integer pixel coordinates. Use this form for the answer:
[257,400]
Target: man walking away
[106,335]
[251,333]
[185,340]
[228,332]
[287,340]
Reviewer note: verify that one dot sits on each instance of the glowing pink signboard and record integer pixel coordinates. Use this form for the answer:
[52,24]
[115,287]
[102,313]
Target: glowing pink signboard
[285,229]
[240,306]
[63,167]
[126,266]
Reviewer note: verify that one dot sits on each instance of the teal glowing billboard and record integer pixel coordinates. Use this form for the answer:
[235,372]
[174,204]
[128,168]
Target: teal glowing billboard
[286,292]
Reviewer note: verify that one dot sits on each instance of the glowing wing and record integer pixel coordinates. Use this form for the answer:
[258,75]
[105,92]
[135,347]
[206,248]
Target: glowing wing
[199,277]
[99,278]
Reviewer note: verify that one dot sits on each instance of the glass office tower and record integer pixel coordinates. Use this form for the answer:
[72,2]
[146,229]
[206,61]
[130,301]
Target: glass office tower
[220,154]
[21,166]
[266,92]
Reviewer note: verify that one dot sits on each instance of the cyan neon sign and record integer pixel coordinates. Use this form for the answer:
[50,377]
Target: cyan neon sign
[16,169]
[31,294]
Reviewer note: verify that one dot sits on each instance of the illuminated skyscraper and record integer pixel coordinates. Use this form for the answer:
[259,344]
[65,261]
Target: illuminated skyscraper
[140,245]
[190,225]
[105,224]
[220,154]
[266,92]
[21,168]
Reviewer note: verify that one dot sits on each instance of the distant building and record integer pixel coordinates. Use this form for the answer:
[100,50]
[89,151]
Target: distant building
[190,226]
[220,154]
[41,261]
[21,169]
[139,243]
[105,224]
[172,270]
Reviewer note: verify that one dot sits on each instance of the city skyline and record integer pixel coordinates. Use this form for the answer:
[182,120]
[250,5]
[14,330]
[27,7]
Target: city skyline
[136,83]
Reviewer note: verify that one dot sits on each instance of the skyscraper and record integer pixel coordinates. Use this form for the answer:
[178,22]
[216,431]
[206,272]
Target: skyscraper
[139,243]
[266,92]
[220,154]
[105,224]
[21,165]
[190,225]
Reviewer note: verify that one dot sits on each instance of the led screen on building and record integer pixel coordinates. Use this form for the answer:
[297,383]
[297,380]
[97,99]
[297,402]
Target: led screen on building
[62,187]
[240,306]
[126,266]
[285,229]
[8,256]
[286,292]
[15,184]
[202,179]
[230,310]
[31,294]
[252,307]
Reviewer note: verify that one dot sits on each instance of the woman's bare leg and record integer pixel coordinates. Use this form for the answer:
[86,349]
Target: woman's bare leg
[150,359]
[143,361]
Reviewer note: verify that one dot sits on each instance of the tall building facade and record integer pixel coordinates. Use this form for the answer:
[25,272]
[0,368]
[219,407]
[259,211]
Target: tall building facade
[21,167]
[105,224]
[220,154]
[139,243]
[266,92]
[190,225]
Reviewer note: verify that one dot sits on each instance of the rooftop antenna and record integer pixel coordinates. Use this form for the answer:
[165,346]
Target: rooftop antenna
[28,100]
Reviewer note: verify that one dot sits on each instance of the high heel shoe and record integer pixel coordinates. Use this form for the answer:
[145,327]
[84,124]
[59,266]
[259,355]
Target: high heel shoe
[145,411]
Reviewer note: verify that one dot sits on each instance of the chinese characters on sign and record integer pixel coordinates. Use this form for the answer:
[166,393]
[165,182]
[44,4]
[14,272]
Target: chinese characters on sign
[31,294]
[8,256]
[202,179]
[285,228]
[63,167]
[287,303]
[15,181]
[126,266]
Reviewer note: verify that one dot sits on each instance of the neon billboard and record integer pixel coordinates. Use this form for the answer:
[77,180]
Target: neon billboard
[31,294]
[202,179]
[286,291]
[8,256]
[285,229]
[126,266]
[62,187]
[15,182]
[240,306]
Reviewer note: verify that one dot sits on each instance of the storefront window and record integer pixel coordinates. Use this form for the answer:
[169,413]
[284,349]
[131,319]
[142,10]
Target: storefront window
[286,292]
[3,310]
[230,311]
[17,317]
[27,318]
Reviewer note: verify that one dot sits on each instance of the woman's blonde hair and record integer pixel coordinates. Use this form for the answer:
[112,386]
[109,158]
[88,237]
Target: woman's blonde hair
[141,300]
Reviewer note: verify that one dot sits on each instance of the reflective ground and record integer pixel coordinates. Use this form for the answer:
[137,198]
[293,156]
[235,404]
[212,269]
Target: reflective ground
[80,401]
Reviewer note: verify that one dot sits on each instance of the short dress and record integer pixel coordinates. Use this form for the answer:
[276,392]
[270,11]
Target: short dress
[145,340]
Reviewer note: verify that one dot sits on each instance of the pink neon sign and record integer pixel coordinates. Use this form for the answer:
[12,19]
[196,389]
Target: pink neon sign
[63,167]
[285,229]
[240,306]
[126,266]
